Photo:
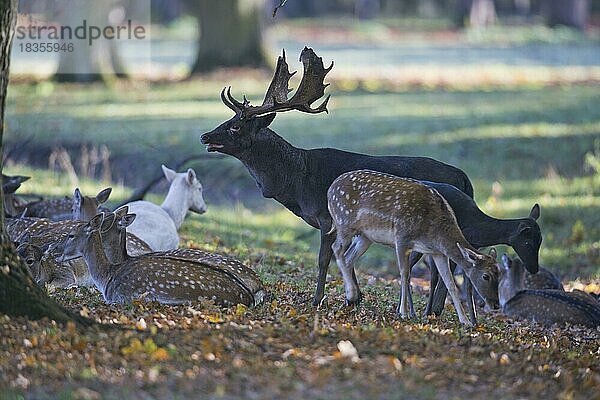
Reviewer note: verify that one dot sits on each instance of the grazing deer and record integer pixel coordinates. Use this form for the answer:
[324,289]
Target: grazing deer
[299,178]
[163,279]
[480,230]
[407,215]
[158,225]
[514,278]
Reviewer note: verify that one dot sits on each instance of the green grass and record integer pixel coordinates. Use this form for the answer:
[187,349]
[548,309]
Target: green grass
[521,143]
[529,142]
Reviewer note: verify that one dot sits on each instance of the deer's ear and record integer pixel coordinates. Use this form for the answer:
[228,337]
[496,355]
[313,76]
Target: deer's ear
[469,254]
[126,220]
[119,212]
[102,197]
[264,121]
[191,176]
[535,212]
[493,253]
[96,222]
[169,173]
[107,222]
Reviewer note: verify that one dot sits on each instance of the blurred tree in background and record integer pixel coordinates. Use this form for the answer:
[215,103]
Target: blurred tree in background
[230,33]
[19,295]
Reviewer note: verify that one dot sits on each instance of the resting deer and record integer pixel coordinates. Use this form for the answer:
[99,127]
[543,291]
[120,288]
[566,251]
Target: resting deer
[299,178]
[544,306]
[65,208]
[46,270]
[116,239]
[407,215]
[514,278]
[158,225]
[480,230]
[13,205]
[166,280]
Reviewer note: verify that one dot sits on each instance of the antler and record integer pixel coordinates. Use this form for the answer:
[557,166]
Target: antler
[311,88]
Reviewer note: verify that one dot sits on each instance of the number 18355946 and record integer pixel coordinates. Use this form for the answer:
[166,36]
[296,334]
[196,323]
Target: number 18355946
[46,47]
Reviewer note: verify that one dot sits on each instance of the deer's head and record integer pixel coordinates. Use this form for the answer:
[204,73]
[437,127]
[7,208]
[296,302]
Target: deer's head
[527,239]
[187,187]
[483,273]
[32,256]
[86,207]
[244,129]
[78,238]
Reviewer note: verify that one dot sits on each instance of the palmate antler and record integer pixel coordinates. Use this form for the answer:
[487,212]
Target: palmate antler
[311,88]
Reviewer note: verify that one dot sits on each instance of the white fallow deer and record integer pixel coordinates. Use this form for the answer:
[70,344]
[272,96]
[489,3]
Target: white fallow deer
[158,225]
[407,215]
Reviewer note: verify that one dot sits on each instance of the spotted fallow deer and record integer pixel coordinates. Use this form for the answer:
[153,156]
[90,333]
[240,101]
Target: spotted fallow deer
[299,178]
[167,280]
[407,215]
[542,299]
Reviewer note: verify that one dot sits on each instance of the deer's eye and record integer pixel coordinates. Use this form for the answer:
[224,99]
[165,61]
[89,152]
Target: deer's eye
[234,128]
[486,277]
[29,261]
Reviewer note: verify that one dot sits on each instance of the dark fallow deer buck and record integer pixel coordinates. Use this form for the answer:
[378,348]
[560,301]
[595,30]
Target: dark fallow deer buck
[299,178]
[407,215]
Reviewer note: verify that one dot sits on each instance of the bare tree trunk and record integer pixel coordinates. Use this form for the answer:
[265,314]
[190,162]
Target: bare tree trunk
[483,13]
[573,13]
[88,63]
[230,33]
[19,295]
[475,12]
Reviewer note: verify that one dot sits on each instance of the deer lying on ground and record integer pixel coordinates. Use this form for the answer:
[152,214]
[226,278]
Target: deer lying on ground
[12,203]
[514,278]
[163,279]
[299,178]
[116,239]
[544,306]
[45,231]
[46,270]
[64,209]
[480,230]
[407,215]
[158,225]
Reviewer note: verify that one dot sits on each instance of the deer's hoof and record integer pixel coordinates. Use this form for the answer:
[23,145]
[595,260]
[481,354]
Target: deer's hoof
[354,302]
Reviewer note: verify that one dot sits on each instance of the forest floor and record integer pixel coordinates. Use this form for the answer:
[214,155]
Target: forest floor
[521,138]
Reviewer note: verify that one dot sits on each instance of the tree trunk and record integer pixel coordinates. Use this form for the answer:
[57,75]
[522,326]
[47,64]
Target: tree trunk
[475,12]
[573,13]
[230,34]
[19,295]
[87,63]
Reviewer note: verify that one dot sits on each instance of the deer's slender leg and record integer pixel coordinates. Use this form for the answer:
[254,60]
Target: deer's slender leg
[471,309]
[359,246]
[341,244]
[325,254]
[404,306]
[434,282]
[442,264]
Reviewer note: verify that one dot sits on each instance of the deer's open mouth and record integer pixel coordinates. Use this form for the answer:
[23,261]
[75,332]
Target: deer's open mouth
[213,146]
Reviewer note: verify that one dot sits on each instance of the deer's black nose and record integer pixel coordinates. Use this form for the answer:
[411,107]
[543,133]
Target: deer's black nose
[204,138]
